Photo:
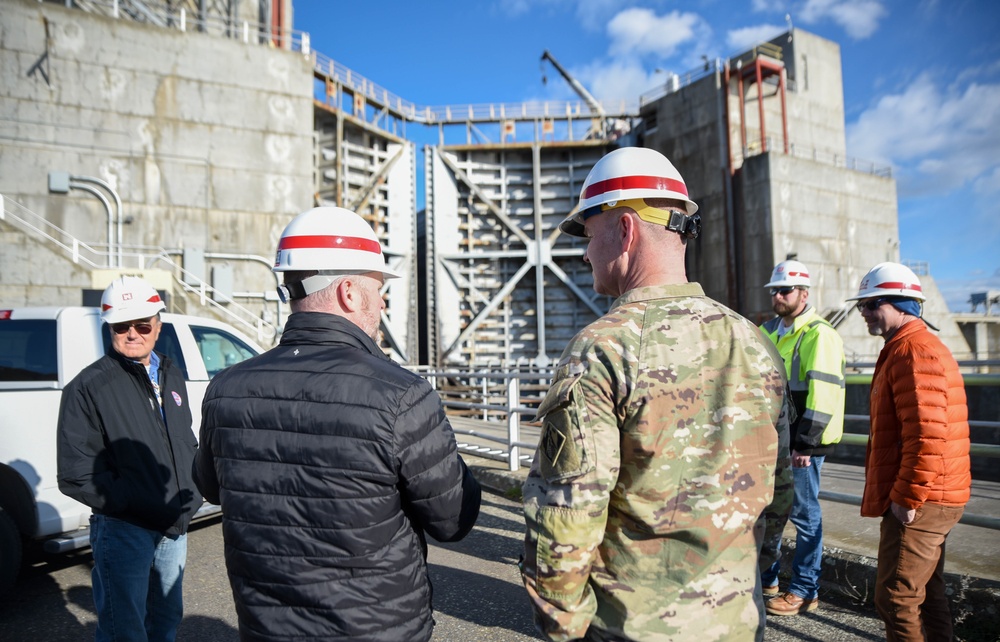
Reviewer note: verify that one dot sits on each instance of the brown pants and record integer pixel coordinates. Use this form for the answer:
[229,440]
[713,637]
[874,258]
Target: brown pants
[909,589]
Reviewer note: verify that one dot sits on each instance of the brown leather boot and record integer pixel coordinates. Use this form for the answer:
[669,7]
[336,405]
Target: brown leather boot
[791,604]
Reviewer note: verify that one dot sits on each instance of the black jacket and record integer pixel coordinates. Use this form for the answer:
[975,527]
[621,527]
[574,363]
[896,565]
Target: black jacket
[116,453]
[331,462]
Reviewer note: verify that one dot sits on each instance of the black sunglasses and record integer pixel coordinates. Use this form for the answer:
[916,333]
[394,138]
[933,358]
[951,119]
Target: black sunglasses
[781,291]
[871,305]
[142,327]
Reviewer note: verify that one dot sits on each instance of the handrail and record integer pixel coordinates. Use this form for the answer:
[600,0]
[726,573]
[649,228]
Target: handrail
[807,152]
[21,217]
[854,368]
[44,228]
[324,66]
[327,68]
[177,17]
[676,82]
[476,394]
[979,450]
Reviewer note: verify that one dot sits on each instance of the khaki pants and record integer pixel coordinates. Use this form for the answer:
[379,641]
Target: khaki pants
[909,589]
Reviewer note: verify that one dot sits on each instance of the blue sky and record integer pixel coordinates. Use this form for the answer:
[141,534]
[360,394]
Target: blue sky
[921,83]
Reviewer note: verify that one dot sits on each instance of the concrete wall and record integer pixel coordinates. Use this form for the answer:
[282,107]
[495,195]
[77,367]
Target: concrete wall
[740,245]
[30,271]
[983,336]
[687,127]
[839,222]
[207,140]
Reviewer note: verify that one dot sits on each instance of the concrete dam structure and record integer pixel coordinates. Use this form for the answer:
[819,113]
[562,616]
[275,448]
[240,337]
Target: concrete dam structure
[215,123]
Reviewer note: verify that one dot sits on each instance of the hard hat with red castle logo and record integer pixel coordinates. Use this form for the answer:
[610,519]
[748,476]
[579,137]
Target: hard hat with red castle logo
[789,274]
[889,279]
[129,298]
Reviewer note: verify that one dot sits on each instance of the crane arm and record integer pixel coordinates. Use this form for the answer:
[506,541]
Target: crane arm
[595,106]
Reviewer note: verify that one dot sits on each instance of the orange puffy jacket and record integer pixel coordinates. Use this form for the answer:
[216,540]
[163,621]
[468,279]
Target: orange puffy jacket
[918,447]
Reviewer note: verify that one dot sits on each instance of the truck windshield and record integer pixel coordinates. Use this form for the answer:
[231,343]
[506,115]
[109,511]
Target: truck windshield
[28,350]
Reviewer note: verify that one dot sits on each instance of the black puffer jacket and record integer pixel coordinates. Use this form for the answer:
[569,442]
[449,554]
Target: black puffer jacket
[116,453]
[331,462]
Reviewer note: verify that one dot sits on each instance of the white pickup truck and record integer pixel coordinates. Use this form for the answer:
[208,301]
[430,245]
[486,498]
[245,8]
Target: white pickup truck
[41,350]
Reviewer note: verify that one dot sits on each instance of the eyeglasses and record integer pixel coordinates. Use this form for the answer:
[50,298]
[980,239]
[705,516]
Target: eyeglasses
[871,304]
[782,291]
[142,327]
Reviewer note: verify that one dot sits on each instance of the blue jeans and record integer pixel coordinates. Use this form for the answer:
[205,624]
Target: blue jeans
[136,581]
[807,518]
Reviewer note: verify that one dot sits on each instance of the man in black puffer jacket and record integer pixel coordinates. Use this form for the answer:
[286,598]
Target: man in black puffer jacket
[330,461]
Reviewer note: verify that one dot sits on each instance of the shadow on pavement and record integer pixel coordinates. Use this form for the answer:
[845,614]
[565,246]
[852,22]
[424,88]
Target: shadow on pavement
[198,628]
[38,610]
[485,602]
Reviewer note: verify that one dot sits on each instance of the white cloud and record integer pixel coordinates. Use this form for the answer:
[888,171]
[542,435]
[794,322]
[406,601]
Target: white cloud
[746,37]
[859,18]
[593,14]
[938,140]
[513,8]
[769,5]
[989,184]
[641,32]
[619,80]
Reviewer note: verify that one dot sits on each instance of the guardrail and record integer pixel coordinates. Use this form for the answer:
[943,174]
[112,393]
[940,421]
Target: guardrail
[450,114]
[180,19]
[497,398]
[176,16]
[471,394]
[90,256]
[774,144]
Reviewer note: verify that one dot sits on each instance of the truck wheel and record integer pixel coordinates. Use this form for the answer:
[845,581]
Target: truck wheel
[10,551]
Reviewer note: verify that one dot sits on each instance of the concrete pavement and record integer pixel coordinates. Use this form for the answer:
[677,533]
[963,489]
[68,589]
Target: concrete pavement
[972,565]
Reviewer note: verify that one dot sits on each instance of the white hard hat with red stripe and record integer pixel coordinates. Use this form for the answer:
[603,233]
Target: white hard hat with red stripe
[129,298]
[889,279]
[789,274]
[331,240]
[627,174]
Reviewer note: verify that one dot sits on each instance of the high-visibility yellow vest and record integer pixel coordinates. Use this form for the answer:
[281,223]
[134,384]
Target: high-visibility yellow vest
[813,353]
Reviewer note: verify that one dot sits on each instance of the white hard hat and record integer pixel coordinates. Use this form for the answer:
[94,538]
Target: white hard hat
[625,174]
[129,298]
[889,279]
[330,240]
[789,274]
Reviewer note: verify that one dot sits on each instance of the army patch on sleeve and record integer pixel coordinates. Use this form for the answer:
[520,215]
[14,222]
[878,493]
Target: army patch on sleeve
[560,457]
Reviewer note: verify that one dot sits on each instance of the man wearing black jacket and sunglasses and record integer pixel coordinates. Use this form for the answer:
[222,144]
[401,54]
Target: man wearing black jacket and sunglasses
[125,448]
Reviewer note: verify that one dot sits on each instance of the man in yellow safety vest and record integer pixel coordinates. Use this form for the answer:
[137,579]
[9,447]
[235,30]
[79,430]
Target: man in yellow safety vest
[813,353]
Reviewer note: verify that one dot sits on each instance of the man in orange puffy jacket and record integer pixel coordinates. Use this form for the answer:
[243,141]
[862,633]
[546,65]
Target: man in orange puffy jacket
[917,476]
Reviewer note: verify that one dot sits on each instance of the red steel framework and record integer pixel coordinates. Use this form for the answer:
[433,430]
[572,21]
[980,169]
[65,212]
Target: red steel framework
[761,68]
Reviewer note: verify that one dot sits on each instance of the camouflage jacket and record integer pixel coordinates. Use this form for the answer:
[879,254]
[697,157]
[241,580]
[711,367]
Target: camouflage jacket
[661,470]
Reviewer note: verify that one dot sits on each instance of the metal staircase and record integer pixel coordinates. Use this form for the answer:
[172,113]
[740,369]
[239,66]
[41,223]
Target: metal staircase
[836,316]
[196,293]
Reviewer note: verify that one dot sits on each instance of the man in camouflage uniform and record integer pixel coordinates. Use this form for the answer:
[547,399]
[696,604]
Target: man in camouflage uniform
[662,467]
